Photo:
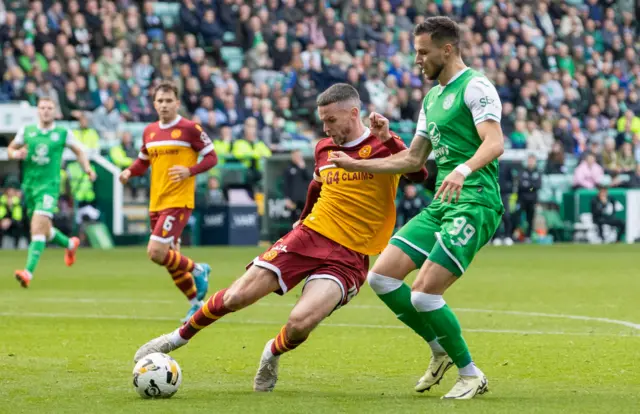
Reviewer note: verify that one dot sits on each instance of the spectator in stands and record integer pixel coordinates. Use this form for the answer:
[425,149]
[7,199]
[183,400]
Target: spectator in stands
[214,195]
[296,181]
[223,145]
[588,174]
[106,119]
[11,216]
[248,149]
[626,159]
[410,205]
[603,212]
[529,183]
[86,135]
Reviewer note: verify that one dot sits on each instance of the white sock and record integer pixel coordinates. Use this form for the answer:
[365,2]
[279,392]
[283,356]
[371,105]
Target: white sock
[71,245]
[197,268]
[176,339]
[469,370]
[267,352]
[383,284]
[29,275]
[195,301]
[436,348]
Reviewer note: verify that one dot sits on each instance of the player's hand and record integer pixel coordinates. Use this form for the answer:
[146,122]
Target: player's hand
[296,224]
[19,154]
[179,173]
[124,176]
[379,126]
[342,160]
[451,187]
[92,175]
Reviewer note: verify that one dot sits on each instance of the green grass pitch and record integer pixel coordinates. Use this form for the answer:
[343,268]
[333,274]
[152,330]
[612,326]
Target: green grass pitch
[556,329]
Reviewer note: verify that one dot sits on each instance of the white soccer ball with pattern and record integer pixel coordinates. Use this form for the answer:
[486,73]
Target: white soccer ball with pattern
[157,376]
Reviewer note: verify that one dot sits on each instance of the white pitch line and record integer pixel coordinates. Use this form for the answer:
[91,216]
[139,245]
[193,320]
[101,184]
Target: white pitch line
[627,324]
[258,322]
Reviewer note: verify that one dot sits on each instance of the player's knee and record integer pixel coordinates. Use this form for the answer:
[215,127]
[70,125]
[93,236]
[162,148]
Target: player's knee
[300,326]
[156,253]
[235,298]
[382,284]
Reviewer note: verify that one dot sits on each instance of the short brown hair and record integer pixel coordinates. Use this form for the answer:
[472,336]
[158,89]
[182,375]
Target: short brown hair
[46,98]
[340,92]
[441,28]
[165,86]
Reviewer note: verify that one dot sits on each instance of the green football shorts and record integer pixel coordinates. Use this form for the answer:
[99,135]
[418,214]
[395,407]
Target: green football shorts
[447,234]
[43,201]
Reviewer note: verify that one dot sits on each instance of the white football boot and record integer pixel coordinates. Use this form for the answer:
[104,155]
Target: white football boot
[439,364]
[164,344]
[267,375]
[467,387]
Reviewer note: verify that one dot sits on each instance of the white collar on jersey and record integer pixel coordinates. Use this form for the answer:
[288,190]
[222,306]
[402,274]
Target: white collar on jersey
[170,124]
[453,78]
[45,130]
[358,141]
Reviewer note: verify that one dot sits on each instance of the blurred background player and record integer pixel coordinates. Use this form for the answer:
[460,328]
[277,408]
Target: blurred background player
[171,147]
[347,217]
[460,122]
[40,147]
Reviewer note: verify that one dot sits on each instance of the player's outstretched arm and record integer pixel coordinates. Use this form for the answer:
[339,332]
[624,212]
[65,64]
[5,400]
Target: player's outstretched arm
[406,161]
[17,150]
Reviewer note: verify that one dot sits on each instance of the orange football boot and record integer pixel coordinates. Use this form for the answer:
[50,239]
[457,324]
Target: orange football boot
[70,254]
[22,276]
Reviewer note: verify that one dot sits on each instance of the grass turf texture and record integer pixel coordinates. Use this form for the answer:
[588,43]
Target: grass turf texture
[66,343]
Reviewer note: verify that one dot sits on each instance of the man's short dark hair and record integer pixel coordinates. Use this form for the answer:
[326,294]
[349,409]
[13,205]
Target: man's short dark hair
[165,86]
[441,28]
[340,92]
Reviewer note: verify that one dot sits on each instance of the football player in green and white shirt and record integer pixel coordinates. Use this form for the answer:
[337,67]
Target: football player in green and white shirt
[40,147]
[460,123]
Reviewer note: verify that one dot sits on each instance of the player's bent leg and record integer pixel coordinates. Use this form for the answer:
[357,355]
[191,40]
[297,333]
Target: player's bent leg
[319,298]
[179,267]
[386,279]
[432,282]
[40,228]
[255,284]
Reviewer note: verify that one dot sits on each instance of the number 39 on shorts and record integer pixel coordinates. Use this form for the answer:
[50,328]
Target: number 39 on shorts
[463,230]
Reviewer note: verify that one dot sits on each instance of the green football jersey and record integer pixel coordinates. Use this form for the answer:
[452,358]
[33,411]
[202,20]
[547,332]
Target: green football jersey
[44,154]
[448,119]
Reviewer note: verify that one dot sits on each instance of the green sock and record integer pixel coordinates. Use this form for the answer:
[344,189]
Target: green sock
[36,247]
[59,238]
[446,326]
[399,301]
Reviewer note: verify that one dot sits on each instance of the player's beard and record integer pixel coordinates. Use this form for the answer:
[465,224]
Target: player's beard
[436,73]
[341,138]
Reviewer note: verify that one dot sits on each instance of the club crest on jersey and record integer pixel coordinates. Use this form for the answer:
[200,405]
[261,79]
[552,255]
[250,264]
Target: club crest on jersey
[176,133]
[434,133]
[270,255]
[55,136]
[448,101]
[365,151]
[151,135]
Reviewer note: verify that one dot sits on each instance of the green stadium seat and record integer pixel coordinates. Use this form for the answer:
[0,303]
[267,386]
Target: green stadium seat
[233,57]
[167,12]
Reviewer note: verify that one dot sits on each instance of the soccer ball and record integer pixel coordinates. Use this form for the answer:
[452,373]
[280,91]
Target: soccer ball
[157,376]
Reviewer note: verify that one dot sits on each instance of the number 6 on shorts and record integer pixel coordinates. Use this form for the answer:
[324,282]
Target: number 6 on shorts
[168,223]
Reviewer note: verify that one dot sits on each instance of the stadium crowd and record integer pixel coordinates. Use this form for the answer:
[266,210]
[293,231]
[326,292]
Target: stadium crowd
[567,71]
